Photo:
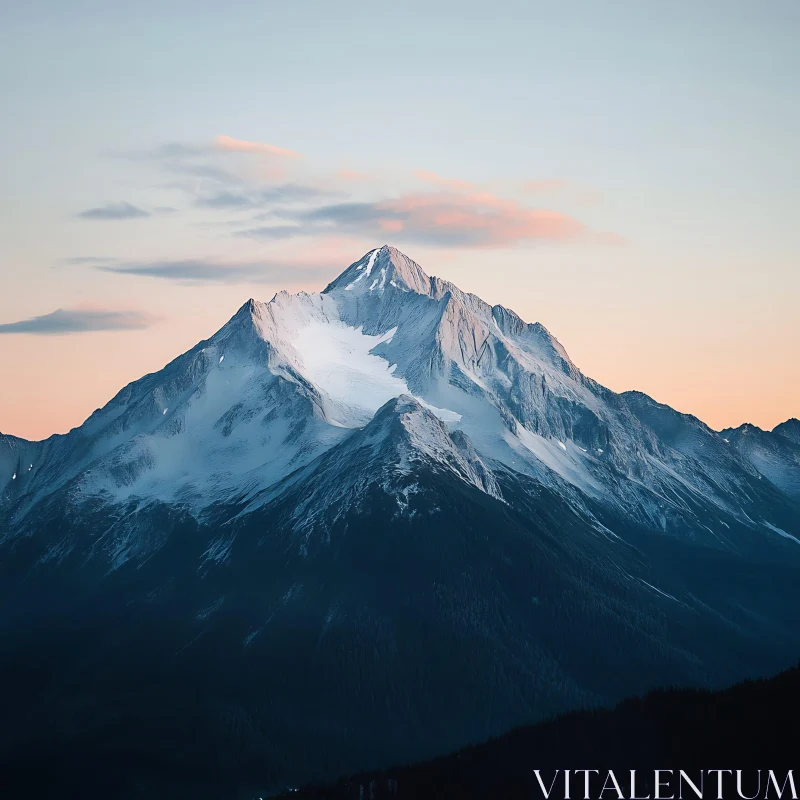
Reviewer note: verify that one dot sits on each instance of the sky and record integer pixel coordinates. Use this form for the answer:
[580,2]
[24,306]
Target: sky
[625,173]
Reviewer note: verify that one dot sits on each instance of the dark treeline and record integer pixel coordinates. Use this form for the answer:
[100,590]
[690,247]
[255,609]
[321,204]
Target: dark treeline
[752,726]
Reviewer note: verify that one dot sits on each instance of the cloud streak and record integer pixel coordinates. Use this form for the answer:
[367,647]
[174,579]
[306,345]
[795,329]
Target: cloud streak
[112,211]
[454,184]
[64,321]
[87,260]
[230,144]
[446,218]
[199,271]
[287,193]
[432,210]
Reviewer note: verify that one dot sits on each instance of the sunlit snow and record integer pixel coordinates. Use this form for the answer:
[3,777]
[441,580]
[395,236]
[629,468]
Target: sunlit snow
[337,359]
[366,270]
[781,532]
[371,263]
[556,457]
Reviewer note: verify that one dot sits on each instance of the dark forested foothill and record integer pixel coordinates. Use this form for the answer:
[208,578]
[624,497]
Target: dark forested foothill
[752,727]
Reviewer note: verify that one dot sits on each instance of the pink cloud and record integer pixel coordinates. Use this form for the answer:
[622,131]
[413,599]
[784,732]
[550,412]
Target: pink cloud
[448,213]
[241,146]
[479,219]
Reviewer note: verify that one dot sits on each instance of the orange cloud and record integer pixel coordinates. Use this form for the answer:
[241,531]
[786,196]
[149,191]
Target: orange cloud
[391,225]
[258,148]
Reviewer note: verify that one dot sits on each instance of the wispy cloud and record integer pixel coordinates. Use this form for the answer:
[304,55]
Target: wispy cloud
[354,175]
[112,211]
[445,219]
[431,209]
[87,260]
[63,321]
[199,271]
[455,184]
[162,151]
[287,193]
[192,161]
[202,170]
[258,148]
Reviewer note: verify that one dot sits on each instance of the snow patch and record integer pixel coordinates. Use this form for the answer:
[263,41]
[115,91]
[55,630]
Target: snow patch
[366,271]
[338,360]
[444,414]
[781,532]
[655,589]
[555,457]
[371,263]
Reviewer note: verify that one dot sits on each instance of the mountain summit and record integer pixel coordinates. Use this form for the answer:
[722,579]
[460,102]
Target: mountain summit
[382,268]
[284,380]
[376,523]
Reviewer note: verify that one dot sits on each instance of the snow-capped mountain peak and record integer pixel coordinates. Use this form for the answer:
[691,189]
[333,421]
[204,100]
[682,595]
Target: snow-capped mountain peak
[284,381]
[381,269]
[386,489]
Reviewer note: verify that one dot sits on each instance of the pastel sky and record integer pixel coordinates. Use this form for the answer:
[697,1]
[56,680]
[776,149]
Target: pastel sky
[625,173]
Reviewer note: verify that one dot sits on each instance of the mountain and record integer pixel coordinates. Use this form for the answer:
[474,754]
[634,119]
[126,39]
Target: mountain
[369,525]
[789,429]
[775,456]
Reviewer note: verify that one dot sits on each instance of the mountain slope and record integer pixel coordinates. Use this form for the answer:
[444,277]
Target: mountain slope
[774,456]
[278,384]
[790,429]
[372,524]
[412,613]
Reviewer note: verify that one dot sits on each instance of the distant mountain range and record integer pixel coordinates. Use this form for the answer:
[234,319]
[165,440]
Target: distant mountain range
[373,525]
